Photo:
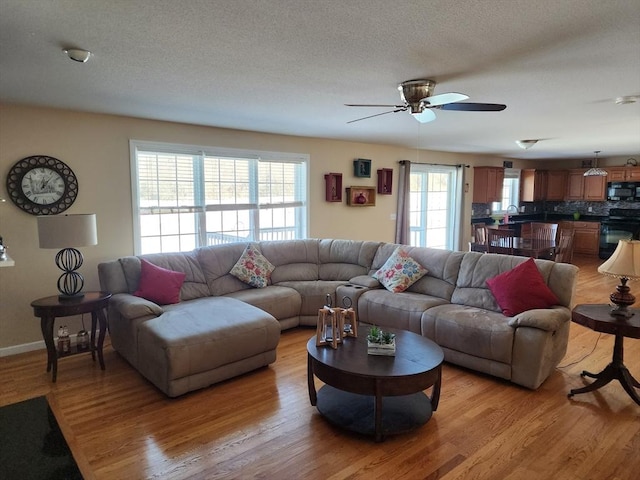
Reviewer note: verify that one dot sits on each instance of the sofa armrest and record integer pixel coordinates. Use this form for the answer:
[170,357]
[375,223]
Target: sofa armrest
[131,307]
[365,281]
[549,319]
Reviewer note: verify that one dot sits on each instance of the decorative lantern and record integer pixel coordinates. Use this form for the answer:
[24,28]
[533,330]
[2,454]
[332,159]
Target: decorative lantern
[330,325]
[349,320]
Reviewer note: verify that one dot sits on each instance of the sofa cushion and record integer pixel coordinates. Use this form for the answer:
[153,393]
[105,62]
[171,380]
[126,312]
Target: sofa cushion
[253,268]
[399,272]
[216,262]
[520,289]
[293,259]
[398,310]
[158,284]
[474,331]
[281,302]
[199,336]
[344,259]
[194,285]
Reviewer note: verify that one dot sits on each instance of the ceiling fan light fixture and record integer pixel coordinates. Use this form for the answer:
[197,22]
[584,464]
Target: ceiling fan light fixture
[595,171]
[78,54]
[526,144]
[627,99]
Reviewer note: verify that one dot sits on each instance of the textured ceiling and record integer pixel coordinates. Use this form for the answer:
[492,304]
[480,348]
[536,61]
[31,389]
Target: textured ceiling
[289,66]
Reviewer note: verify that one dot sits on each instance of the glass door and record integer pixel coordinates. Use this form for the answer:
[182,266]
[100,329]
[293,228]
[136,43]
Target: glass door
[434,206]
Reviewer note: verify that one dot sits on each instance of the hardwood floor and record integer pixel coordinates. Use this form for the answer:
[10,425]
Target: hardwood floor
[261,425]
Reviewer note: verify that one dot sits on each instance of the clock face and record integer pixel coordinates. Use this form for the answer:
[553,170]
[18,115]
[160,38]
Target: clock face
[42,185]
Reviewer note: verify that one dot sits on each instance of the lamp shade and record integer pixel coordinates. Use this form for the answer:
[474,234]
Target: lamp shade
[625,261]
[61,231]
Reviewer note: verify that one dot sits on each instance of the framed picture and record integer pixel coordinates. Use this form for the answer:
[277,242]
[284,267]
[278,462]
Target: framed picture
[362,168]
[361,196]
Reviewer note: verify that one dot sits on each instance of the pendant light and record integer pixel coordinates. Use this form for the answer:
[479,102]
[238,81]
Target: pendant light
[595,171]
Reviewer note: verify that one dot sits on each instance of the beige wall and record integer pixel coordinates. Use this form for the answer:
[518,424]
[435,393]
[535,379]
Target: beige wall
[96,147]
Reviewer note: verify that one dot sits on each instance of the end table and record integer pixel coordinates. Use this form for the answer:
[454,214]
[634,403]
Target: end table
[598,318]
[48,308]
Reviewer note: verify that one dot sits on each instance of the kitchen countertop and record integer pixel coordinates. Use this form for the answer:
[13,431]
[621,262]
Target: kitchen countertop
[517,219]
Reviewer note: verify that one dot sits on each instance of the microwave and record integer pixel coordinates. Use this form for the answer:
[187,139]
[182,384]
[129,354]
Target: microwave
[628,191]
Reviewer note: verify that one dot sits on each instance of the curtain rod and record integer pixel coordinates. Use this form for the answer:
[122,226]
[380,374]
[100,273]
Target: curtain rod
[459,165]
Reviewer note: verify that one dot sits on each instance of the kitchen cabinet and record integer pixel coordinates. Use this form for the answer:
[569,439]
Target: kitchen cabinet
[580,187]
[556,184]
[533,185]
[586,236]
[623,174]
[595,188]
[575,185]
[487,184]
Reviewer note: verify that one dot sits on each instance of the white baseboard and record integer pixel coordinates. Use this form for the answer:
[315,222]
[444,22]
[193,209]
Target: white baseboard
[30,347]
[25,347]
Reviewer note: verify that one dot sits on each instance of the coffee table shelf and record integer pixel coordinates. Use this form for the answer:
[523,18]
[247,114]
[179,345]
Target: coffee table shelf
[376,395]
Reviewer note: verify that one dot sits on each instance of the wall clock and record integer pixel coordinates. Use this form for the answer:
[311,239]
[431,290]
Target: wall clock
[42,185]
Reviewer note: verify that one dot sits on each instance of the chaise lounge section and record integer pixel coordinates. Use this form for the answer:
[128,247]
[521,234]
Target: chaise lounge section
[223,327]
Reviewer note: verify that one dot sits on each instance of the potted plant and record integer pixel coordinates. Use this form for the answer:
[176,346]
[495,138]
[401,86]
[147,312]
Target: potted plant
[380,342]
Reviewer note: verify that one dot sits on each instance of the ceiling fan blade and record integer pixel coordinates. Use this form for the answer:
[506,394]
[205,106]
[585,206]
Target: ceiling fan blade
[372,105]
[473,107]
[425,116]
[444,98]
[378,114]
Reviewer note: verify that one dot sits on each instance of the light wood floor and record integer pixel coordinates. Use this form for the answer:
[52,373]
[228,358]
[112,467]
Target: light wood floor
[261,425]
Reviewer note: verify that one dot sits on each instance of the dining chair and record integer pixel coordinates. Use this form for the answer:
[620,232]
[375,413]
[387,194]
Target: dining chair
[480,234]
[500,241]
[564,250]
[544,231]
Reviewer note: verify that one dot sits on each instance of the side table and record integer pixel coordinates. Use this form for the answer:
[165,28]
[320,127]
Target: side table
[598,318]
[48,308]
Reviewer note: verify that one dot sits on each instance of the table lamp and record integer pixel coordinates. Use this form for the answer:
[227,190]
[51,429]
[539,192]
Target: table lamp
[67,231]
[623,264]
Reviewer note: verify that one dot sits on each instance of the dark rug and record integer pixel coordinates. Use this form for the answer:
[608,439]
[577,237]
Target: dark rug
[32,445]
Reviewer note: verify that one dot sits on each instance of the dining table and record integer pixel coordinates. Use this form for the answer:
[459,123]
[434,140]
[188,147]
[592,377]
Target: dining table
[525,247]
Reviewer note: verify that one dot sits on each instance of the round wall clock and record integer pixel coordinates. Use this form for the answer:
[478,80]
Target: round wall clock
[42,185]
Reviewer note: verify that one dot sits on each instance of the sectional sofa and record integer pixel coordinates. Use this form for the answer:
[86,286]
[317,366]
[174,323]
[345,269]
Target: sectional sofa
[222,326]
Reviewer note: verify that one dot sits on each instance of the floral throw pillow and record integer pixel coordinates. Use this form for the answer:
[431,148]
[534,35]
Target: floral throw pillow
[253,268]
[399,272]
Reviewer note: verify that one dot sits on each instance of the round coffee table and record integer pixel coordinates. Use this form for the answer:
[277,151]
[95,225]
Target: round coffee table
[372,394]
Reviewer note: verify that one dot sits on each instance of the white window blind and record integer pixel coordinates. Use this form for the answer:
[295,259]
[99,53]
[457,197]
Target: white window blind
[186,197]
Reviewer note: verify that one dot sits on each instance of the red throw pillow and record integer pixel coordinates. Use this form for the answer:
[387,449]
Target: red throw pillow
[520,289]
[158,284]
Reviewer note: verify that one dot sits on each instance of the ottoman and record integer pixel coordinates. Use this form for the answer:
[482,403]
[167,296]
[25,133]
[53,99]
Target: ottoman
[204,341]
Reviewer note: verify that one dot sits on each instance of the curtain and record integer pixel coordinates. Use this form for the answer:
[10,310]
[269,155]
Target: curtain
[402,213]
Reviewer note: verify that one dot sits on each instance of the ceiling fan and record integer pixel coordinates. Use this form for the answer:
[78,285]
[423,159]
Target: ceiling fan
[418,98]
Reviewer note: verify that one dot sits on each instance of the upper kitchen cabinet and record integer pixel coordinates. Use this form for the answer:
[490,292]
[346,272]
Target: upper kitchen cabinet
[533,185]
[623,174]
[487,184]
[579,187]
[556,184]
[595,188]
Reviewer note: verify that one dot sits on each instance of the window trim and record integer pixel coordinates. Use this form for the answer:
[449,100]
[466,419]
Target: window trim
[222,152]
[515,190]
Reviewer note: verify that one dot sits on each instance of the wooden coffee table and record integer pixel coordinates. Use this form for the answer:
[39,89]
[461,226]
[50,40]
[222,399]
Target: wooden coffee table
[376,395]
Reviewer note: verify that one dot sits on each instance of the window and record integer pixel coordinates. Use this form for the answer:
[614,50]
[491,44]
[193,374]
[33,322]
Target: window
[433,206]
[186,197]
[510,191]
